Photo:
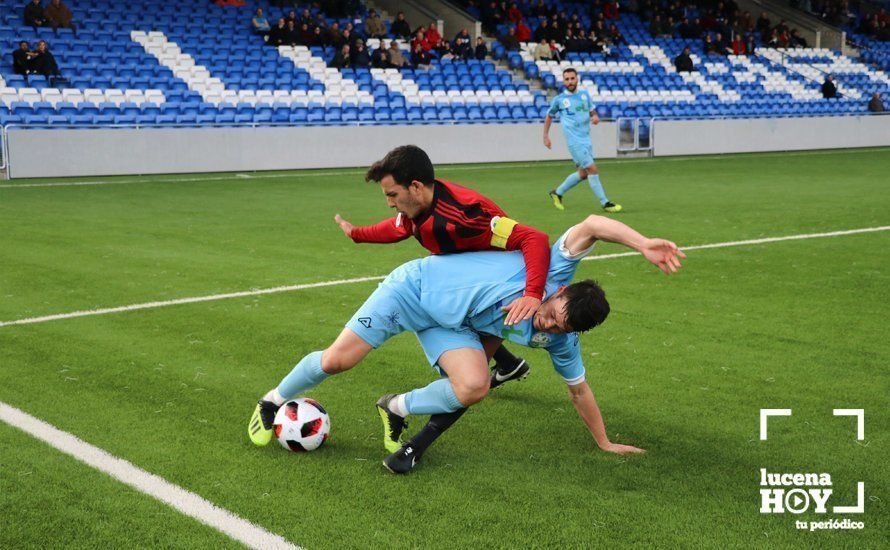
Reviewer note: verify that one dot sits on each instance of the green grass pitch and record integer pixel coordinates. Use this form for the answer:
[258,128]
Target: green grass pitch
[681,368]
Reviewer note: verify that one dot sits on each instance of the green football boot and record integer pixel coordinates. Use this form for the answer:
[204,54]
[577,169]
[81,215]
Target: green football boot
[260,427]
[557,200]
[393,424]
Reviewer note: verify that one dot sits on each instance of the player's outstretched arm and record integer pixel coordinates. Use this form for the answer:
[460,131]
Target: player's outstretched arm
[345,226]
[589,411]
[548,120]
[391,230]
[664,254]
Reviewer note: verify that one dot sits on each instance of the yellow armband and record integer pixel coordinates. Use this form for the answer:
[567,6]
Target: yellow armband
[501,229]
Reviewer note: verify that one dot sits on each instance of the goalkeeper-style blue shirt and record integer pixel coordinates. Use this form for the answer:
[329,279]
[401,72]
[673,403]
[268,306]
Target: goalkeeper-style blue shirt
[574,112]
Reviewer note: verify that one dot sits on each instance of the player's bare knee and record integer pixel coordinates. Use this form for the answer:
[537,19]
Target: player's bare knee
[472,390]
[335,360]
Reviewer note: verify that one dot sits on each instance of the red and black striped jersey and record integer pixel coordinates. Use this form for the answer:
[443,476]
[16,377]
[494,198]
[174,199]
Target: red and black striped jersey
[462,220]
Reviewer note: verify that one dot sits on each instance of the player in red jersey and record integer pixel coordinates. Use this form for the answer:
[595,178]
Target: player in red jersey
[447,218]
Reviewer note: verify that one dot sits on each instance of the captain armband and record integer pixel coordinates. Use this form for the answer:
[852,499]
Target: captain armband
[501,229]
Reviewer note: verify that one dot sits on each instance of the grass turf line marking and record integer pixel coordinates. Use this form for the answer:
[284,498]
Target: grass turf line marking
[176,497]
[446,168]
[192,300]
[289,288]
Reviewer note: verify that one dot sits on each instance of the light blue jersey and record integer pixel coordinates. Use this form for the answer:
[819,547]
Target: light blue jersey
[448,300]
[574,111]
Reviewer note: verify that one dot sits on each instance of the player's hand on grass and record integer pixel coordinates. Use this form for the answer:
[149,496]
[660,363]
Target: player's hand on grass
[664,254]
[547,143]
[521,309]
[344,225]
[620,449]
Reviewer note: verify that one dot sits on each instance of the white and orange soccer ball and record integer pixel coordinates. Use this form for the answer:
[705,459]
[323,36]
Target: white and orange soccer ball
[302,425]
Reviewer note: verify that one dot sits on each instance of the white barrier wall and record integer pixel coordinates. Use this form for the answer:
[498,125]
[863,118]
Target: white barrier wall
[703,137]
[115,151]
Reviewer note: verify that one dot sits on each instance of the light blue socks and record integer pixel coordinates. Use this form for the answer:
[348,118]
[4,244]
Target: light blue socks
[436,398]
[571,181]
[306,375]
[597,188]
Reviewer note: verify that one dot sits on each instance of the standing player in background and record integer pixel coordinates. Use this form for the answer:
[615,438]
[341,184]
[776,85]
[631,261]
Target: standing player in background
[576,113]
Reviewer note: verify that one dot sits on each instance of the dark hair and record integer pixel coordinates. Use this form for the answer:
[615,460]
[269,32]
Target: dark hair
[586,305]
[405,164]
[569,70]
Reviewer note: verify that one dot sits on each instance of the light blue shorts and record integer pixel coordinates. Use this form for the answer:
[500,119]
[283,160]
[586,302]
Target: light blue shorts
[395,307]
[582,154]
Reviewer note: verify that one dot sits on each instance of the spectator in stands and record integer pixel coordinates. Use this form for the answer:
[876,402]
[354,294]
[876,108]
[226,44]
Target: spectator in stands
[773,40]
[291,35]
[291,16]
[420,40]
[445,50]
[541,33]
[463,46]
[829,90]
[420,58]
[750,45]
[745,22]
[320,38]
[21,60]
[43,62]
[542,51]
[481,49]
[306,18]
[306,35]
[380,57]
[876,105]
[259,22]
[59,15]
[655,27]
[432,34]
[763,26]
[708,46]
[738,45]
[396,59]
[374,26]
[351,35]
[514,14]
[610,10]
[335,36]
[491,17]
[720,44]
[400,27]
[278,34]
[34,14]
[615,36]
[360,58]
[509,40]
[683,62]
[523,32]
[795,40]
[341,59]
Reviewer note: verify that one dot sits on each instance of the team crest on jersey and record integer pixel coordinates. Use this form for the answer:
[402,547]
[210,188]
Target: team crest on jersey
[539,340]
[566,103]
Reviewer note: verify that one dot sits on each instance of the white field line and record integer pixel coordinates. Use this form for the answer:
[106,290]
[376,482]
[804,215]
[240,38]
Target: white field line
[360,171]
[184,501]
[289,288]
[192,300]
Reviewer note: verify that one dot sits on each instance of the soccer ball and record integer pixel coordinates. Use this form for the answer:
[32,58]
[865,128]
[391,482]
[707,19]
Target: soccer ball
[302,425]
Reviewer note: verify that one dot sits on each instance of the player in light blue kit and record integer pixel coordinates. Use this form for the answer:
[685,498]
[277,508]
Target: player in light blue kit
[455,305]
[576,112]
